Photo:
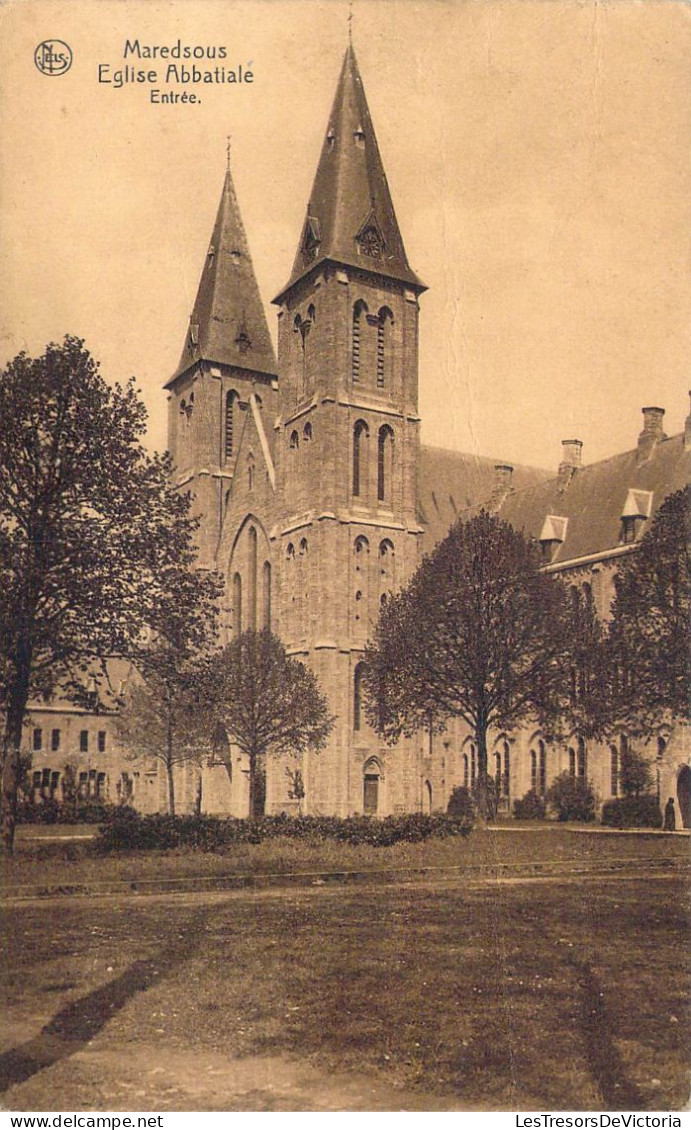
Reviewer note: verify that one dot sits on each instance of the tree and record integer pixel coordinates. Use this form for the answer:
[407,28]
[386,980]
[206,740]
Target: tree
[481,634]
[267,702]
[648,642]
[159,714]
[635,773]
[89,526]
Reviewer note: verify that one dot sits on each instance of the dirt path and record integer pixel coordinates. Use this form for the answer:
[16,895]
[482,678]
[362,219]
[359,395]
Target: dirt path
[108,1076]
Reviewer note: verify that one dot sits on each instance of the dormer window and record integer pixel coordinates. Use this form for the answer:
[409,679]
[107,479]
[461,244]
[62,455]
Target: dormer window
[194,333]
[330,139]
[312,238]
[552,537]
[637,510]
[359,137]
[243,341]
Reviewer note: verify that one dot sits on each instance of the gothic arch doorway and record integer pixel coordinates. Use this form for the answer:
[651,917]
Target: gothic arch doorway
[684,796]
[427,797]
[370,794]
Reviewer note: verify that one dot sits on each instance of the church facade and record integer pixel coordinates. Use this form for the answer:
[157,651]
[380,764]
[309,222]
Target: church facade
[317,499]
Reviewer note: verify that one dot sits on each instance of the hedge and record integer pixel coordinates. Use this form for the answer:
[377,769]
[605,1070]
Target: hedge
[209,833]
[51,811]
[632,812]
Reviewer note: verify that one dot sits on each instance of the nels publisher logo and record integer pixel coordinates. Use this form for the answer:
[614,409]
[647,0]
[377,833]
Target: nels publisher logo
[53,57]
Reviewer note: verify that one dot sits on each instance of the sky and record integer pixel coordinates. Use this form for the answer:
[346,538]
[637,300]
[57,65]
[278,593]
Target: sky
[538,153]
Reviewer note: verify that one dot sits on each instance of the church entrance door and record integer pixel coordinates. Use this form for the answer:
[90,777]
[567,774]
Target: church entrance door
[371,797]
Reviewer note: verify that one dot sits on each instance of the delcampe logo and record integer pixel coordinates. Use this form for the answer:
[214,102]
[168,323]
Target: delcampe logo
[53,57]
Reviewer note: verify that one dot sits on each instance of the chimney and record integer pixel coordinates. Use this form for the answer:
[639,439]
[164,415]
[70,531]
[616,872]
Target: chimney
[651,435]
[687,430]
[501,487]
[570,462]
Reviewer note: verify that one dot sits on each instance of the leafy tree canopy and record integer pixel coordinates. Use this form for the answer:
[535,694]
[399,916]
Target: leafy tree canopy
[649,630]
[266,701]
[92,535]
[480,633]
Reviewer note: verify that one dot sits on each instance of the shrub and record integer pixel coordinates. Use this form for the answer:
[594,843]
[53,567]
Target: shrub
[51,811]
[573,798]
[632,812]
[530,807]
[461,803]
[211,833]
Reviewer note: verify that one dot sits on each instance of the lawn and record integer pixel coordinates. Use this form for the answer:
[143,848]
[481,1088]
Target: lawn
[550,994]
[51,864]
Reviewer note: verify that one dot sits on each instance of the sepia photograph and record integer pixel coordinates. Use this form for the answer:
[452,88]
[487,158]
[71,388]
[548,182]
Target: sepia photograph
[345,443]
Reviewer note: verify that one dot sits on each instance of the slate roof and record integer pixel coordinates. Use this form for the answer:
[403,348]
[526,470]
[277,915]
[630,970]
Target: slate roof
[597,496]
[451,482]
[351,194]
[228,322]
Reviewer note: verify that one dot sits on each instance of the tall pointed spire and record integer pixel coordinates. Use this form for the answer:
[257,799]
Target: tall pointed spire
[350,216]
[228,323]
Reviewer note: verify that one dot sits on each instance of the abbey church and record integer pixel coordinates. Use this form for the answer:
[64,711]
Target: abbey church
[317,499]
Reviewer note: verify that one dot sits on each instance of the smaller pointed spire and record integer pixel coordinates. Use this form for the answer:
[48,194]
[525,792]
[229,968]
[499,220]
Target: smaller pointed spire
[228,323]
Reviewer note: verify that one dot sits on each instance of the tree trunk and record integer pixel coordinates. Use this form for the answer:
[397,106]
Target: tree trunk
[12,742]
[253,785]
[486,795]
[169,771]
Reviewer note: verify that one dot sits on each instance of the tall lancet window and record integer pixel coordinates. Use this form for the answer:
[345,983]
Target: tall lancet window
[229,423]
[359,313]
[266,596]
[385,464]
[383,345]
[237,604]
[252,570]
[360,434]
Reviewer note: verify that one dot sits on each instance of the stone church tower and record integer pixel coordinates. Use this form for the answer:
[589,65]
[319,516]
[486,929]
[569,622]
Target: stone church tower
[307,484]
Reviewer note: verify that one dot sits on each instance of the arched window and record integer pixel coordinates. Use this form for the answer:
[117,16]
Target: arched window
[229,423]
[383,344]
[614,771]
[294,441]
[384,464]
[360,436]
[359,311]
[466,771]
[506,774]
[497,770]
[307,432]
[252,570]
[533,770]
[387,580]
[572,762]
[237,604]
[361,553]
[542,769]
[266,595]
[581,760]
[357,695]
[290,551]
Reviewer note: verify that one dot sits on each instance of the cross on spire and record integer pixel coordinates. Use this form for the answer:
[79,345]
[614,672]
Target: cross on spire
[228,152]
